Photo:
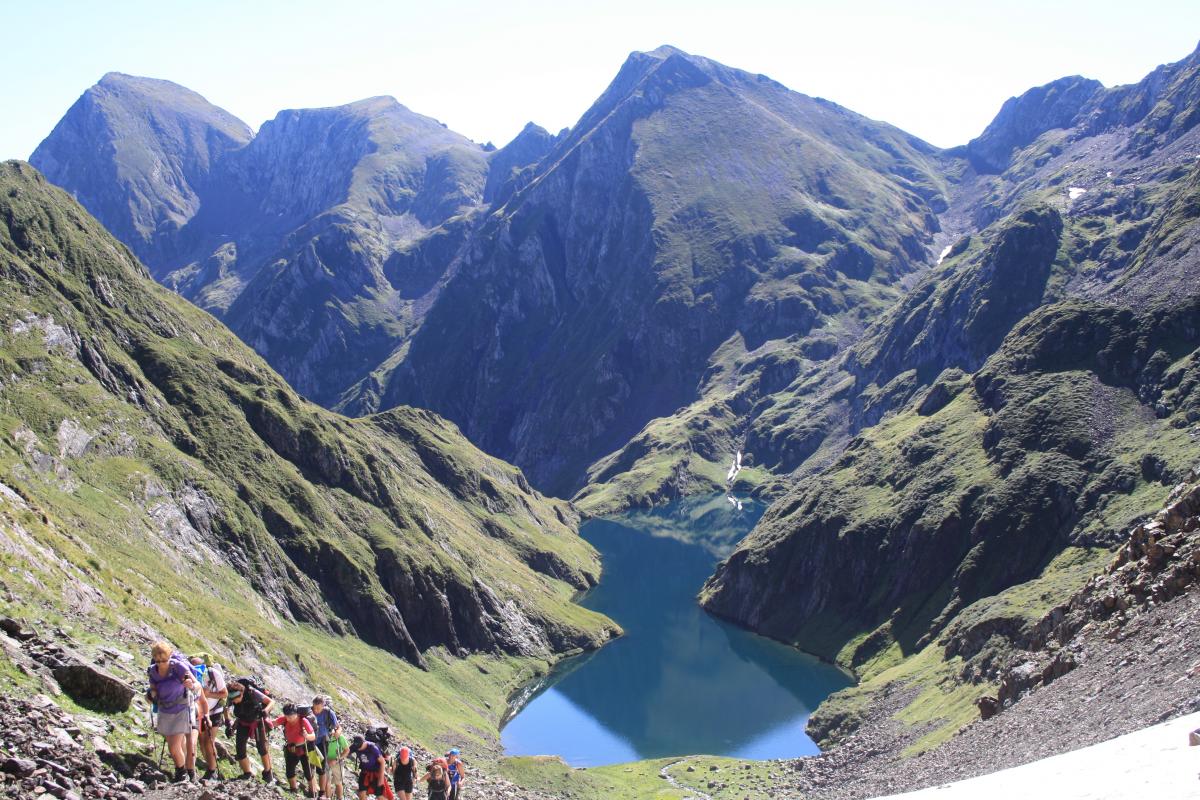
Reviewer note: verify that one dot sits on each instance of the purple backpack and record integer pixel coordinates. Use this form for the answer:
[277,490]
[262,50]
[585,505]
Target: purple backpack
[172,693]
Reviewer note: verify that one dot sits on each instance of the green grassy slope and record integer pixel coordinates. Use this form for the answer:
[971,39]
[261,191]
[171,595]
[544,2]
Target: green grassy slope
[163,481]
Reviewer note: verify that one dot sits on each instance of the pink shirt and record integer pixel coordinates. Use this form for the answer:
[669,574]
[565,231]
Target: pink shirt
[293,733]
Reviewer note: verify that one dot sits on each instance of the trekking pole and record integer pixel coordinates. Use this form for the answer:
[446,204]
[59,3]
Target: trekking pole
[162,751]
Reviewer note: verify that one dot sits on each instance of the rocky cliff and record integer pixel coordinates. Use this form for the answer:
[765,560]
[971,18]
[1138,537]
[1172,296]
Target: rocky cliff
[139,153]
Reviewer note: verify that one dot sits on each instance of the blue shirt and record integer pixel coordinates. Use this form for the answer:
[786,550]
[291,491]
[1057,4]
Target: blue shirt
[326,722]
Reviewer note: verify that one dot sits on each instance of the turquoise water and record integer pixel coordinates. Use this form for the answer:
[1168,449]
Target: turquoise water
[680,681]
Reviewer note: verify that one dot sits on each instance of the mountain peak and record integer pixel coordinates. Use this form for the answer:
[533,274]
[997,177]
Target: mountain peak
[163,140]
[1023,119]
[665,51]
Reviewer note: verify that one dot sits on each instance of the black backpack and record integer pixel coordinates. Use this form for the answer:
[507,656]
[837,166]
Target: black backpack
[252,685]
[380,736]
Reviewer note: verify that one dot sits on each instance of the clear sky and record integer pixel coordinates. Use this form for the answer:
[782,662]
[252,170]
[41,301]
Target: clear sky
[938,69]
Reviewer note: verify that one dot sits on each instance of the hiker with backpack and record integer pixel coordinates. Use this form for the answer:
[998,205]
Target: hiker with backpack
[327,725]
[437,781]
[214,691]
[405,776]
[251,705]
[335,761]
[171,689]
[297,733]
[455,771]
[372,769]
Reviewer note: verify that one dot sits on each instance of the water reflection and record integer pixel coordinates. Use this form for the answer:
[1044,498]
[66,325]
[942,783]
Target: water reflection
[679,681]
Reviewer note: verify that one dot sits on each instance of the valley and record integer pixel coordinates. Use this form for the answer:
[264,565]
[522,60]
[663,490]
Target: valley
[367,408]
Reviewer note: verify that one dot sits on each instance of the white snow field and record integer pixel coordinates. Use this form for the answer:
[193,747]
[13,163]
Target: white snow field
[1154,763]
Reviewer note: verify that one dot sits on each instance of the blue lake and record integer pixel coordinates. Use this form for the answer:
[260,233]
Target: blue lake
[680,681]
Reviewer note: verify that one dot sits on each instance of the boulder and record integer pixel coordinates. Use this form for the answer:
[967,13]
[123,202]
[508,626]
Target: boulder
[21,767]
[988,706]
[94,688]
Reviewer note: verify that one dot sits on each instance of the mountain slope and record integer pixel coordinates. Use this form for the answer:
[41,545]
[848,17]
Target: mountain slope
[304,222]
[693,207]
[134,420]
[1000,427]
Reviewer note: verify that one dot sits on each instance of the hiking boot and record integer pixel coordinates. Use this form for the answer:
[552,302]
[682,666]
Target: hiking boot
[245,776]
[191,775]
[180,775]
[209,775]
[268,778]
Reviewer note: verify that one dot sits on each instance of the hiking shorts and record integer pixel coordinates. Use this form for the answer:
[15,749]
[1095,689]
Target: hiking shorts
[256,729]
[213,723]
[292,758]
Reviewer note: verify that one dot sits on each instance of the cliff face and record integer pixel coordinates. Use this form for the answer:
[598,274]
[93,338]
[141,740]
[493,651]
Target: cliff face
[137,422]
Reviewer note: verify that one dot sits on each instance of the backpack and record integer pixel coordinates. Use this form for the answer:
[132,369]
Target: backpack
[176,694]
[256,707]
[306,712]
[380,736]
[251,683]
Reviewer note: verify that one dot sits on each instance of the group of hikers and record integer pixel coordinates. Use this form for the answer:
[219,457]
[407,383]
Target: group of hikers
[193,701]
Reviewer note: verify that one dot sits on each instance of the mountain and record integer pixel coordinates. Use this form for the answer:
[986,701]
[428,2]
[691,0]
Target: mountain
[554,296]
[694,214]
[139,153]
[142,438]
[982,446]
[307,223]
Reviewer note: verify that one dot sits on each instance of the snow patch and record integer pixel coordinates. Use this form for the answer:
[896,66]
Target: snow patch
[945,252]
[1076,192]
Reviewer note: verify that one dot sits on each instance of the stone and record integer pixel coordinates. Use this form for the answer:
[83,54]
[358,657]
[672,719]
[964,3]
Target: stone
[21,767]
[988,706]
[16,630]
[94,688]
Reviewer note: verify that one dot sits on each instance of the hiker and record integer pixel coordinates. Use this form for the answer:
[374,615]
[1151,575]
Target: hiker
[405,776]
[200,702]
[335,761]
[297,733]
[214,691]
[171,688]
[372,769]
[250,709]
[437,781]
[455,771]
[327,726]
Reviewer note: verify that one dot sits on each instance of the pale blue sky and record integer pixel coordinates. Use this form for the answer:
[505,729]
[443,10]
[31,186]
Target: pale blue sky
[937,69]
